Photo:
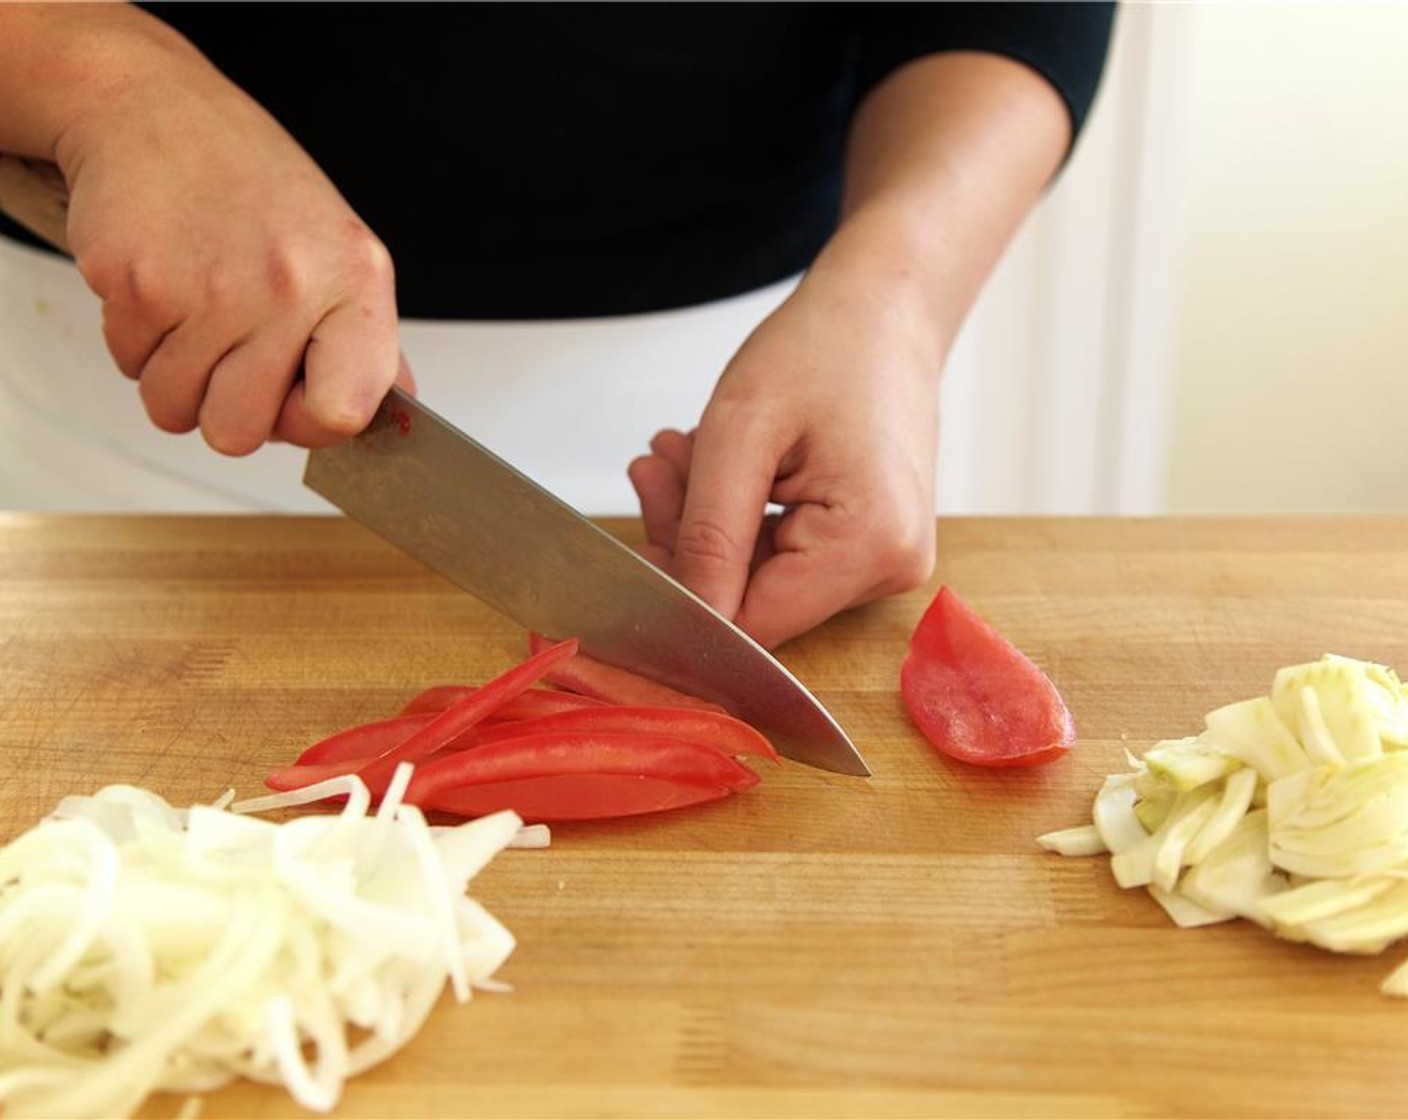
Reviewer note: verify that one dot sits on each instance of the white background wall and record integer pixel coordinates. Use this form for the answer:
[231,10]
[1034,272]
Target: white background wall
[1210,311]
[1290,354]
[1056,397]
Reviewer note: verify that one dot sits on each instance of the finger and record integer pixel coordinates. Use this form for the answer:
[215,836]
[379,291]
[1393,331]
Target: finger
[660,489]
[658,556]
[405,378]
[353,358]
[732,467]
[295,426]
[247,389]
[173,380]
[130,340]
[814,571]
[825,560]
[675,447]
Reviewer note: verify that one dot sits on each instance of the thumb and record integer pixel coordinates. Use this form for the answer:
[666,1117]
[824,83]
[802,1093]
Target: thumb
[730,477]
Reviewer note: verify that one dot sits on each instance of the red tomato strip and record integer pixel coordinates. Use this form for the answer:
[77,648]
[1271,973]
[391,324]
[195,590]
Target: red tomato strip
[624,745]
[574,797]
[713,729]
[533,702]
[620,752]
[978,698]
[588,677]
[363,742]
[462,715]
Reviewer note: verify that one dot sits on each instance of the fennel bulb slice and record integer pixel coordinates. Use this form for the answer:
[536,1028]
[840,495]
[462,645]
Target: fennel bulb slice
[1289,810]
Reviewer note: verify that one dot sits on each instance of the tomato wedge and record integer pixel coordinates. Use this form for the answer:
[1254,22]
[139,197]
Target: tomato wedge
[978,698]
[574,797]
[588,677]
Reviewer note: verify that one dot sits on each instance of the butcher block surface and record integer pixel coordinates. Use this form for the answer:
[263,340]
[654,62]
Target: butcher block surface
[820,945]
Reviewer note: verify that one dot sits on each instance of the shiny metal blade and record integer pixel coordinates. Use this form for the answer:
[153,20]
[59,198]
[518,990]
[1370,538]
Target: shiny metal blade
[435,493]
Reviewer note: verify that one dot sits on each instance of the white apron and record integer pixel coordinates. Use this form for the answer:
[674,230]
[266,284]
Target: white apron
[568,402]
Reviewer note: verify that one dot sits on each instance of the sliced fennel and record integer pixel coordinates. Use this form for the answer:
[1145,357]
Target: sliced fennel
[144,948]
[1083,840]
[1289,810]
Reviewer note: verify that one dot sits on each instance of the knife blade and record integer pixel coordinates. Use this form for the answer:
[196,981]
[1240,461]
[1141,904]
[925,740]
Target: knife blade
[445,499]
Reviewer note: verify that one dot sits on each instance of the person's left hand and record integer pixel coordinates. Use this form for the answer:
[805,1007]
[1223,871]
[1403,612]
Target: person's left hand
[829,411]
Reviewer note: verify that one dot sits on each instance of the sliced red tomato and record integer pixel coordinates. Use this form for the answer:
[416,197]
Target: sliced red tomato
[549,755]
[619,752]
[464,714]
[977,697]
[349,749]
[365,741]
[574,797]
[588,677]
[713,729]
[307,774]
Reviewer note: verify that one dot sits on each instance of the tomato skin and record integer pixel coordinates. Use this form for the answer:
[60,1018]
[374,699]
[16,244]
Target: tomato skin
[466,713]
[365,741]
[978,698]
[306,774]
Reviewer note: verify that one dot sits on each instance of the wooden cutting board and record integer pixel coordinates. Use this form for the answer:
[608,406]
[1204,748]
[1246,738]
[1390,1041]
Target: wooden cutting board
[821,945]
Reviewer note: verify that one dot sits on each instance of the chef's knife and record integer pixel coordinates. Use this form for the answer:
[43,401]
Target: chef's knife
[448,501]
[461,510]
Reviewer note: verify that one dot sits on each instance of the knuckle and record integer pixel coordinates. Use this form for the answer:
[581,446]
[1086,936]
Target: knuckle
[102,270]
[285,275]
[150,289]
[907,555]
[127,353]
[136,285]
[369,259]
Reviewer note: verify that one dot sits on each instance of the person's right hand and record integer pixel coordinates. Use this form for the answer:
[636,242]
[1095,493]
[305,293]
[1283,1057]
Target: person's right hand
[239,288]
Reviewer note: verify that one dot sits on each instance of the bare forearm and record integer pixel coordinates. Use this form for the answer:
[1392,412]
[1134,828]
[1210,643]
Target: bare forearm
[945,159]
[59,63]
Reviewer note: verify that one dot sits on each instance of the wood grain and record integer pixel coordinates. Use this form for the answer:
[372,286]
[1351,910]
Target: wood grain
[821,945]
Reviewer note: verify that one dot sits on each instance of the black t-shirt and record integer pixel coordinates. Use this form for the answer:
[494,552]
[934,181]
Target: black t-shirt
[528,160]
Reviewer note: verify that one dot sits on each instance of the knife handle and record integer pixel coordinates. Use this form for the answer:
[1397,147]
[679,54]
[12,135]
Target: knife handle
[35,195]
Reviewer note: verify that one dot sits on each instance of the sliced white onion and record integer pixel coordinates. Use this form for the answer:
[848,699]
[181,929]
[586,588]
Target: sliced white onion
[145,948]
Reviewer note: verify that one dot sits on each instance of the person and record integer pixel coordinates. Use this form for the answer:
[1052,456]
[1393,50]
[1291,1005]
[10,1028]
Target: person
[259,195]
